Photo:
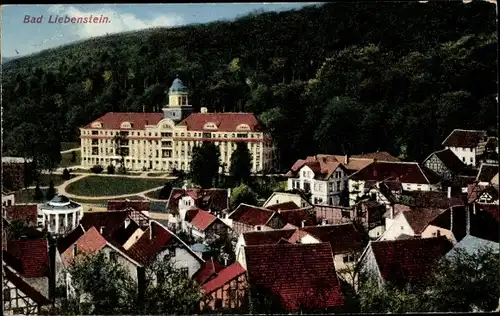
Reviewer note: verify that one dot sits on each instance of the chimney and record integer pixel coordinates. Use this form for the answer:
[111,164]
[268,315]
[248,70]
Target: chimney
[101,229]
[449,192]
[279,211]
[53,270]
[302,223]
[127,222]
[203,110]
[346,159]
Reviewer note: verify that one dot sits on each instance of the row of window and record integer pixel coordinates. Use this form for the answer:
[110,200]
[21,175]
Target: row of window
[168,134]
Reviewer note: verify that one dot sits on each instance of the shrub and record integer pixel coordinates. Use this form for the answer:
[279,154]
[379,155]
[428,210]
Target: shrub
[111,169]
[66,175]
[97,169]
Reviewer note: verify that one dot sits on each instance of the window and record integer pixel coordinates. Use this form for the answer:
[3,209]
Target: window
[184,272]
[6,295]
[463,159]
[347,258]
[471,159]
[218,303]
[402,227]
[438,233]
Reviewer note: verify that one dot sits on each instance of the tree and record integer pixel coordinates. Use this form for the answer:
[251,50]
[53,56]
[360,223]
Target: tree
[223,248]
[205,164]
[243,194]
[51,192]
[467,282]
[241,163]
[164,193]
[73,156]
[66,175]
[38,193]
[119,140]
[95,294]
[111,169]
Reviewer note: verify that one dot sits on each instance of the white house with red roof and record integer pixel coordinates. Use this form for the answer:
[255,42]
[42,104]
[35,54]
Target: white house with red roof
[410,175]
[203,225]
[164,141]
[325,176]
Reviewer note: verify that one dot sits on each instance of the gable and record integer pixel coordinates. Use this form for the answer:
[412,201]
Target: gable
[126,125]
[210,125]
[96,125]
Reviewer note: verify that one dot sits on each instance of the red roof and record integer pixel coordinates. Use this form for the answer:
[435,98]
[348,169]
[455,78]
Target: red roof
[267,237]
[207,270]
[68,240]
[23,212]
[342,238]
[223,277]
[406,172]
[410,260]
[91,242]
[419,218]
[295,217]
[379,155]
[464,138]
[120,205]
[145,249]
[251,215]
[202,220]
[283,206]
[205,199]
[225,122]
[302,275]
[34,255]
[113,120]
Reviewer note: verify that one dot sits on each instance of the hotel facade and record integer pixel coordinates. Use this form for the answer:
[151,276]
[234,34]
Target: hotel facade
[164,141]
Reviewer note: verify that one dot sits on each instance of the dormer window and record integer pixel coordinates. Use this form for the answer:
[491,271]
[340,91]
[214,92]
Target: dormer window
[210,125]
[243,127]
[126,125]
[96,125]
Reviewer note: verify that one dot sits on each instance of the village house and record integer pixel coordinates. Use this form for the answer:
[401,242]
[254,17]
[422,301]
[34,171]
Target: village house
[227,290]
[411,175]
[345,240]
[327,214]
[29,260]
[453,223]
[20,298]
[484,211]
[324,177]
[286,198]
[467,144]
[408,222]
[370,214]
[215,201]
[89,242]
[401,262]
[208,270]
[386,192]
[490,153]
[203,225]
[8,198]
[157,243]
[486,173]
[446,164]
[439,199]
[249,218]
[292,277]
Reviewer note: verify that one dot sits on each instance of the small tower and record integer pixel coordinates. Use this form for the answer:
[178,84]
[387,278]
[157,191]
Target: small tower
[178,107]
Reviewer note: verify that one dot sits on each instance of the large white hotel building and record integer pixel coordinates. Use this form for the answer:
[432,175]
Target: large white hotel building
[164,141]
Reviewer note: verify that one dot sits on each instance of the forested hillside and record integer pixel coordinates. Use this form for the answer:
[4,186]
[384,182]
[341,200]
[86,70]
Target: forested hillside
[337,78]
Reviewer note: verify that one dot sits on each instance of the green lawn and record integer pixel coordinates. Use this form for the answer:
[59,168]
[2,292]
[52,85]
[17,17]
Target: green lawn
[154,194]
[69,145]
[26,196]
[107,186]
[44,179]
[66,159]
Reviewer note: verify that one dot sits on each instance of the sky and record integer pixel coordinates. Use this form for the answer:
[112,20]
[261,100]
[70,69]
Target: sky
[20,38]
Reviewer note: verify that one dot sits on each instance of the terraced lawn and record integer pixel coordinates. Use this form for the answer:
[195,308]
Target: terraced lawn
[108,186]
[104,202]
